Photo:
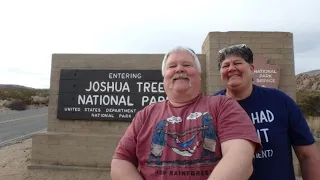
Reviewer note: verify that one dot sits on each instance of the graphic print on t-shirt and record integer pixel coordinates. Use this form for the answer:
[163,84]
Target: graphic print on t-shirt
[192,146]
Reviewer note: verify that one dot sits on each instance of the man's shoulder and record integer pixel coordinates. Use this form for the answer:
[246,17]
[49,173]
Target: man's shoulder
[218,99]
[154,105]
[145,112]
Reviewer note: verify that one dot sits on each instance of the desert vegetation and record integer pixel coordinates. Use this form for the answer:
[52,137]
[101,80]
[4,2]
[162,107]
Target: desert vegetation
[309,103]
[20,98]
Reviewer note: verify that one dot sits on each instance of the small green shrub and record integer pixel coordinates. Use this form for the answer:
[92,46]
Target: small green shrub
[309,102]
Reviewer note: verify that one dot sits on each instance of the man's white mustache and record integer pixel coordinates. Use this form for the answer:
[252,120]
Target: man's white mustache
[179,75]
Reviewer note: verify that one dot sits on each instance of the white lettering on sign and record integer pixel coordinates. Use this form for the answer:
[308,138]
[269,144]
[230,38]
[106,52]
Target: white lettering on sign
[92,110]
[146,100]
[120,110]
[113,94]
[154,87]
[103,86]
[266,81]
[124,115]
[265,75]
[72,109]
[124,75]
[113,100]
[107,115]
[265,71]
[102,115]
[95,115]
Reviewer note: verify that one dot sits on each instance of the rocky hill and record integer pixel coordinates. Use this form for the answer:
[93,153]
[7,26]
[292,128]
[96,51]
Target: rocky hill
[308,81]
[13,86]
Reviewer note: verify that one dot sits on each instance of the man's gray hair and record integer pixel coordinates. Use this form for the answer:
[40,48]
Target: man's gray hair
[181,49]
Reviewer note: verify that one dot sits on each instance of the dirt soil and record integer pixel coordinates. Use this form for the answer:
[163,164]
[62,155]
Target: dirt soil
[15,158]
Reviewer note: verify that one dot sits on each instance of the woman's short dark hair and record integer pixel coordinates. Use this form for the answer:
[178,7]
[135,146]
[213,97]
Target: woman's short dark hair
[239,50]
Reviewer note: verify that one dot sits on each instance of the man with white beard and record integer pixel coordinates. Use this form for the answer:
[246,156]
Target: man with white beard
[188,136]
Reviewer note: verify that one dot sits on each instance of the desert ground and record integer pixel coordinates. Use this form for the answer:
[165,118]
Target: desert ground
[15,158]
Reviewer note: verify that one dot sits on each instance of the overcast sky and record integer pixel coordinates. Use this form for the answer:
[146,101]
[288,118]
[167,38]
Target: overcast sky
[31,31]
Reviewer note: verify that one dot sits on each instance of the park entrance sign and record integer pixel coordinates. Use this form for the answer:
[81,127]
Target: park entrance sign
[94,97]
[107,94]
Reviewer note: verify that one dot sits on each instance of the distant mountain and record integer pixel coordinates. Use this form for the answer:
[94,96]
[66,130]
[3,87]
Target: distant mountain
[308,81]
[14,86]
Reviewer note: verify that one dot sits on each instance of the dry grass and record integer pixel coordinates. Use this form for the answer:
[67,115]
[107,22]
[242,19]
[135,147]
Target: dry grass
[314,124]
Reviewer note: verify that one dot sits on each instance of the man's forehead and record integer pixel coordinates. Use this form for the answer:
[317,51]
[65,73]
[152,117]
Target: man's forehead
[180,56]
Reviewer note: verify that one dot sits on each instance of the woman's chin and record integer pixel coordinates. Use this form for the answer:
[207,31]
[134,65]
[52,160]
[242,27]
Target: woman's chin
[234,84]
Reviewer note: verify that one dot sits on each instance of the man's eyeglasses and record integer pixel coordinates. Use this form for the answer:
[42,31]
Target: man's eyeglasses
[233,46]
[192,50]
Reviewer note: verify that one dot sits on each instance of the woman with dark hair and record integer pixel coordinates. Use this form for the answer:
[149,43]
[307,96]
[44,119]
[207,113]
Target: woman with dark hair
[276,117]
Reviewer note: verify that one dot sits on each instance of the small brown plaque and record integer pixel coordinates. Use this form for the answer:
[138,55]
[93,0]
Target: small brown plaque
[265,75]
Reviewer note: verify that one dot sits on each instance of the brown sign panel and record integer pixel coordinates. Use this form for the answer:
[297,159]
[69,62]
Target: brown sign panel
[104,94]
[265,75]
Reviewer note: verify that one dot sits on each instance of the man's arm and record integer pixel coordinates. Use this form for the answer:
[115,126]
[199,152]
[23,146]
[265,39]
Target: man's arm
[124,170]
[239,141]
[125,161]
[309,159]
[236,163]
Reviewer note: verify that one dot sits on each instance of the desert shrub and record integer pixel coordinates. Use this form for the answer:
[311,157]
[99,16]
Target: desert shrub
[16,104]
[309,102]
[40,100]
[42,92]
[22,94]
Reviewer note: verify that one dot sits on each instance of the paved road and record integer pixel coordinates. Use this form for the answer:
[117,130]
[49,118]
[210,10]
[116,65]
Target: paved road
[15,125]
